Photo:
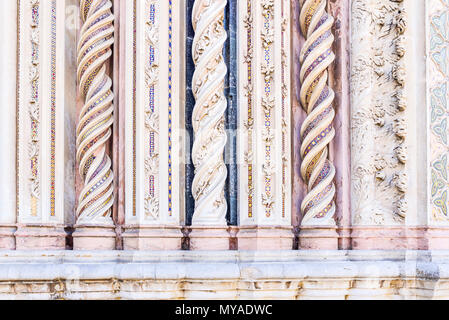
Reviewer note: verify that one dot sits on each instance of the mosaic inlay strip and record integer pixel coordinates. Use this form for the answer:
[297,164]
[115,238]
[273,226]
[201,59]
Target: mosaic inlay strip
[53,111]
[248,23]
[134,104]
[170,107]
[268,102]
[285,92]
[151,202]
[438,106]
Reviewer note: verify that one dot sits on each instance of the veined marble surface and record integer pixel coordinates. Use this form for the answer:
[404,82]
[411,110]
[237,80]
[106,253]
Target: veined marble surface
[399,274]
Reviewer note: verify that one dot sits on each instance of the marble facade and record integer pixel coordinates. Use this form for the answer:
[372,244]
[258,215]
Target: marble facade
[253,147]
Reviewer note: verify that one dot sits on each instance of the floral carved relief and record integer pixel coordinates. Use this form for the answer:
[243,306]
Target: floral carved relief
[379,112]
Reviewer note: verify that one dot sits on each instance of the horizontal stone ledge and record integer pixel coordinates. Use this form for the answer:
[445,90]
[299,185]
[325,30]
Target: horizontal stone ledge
[228,256]
[223,266]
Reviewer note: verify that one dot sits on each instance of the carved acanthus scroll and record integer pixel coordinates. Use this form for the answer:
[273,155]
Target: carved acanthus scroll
[35,108]
[208,115]
[96,116]
[379,112]
[318,207]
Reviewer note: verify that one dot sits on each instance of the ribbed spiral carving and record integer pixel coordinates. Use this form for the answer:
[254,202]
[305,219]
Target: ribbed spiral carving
[208,114]
[96,116]
[317,131]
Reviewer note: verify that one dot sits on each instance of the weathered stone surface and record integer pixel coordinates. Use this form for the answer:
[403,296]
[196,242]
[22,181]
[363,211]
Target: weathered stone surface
[225,275]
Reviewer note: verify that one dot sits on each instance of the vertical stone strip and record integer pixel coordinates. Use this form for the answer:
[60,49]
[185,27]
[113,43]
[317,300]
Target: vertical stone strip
[264,153]
[438,96]
[208,120]
[340,150]
[95,126]
[8,101]
[153,78]
[34,108]
[53,109]
[437,20]
[40,219]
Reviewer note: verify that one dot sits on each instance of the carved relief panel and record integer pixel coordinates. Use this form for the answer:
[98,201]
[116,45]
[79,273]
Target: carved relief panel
[379,110]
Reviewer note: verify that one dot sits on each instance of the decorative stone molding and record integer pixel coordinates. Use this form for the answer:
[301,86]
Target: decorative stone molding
[227,275]
[153,64]
[379,113]
[264,124]
[95,121]
[437,17]
[34,108]
[40,112]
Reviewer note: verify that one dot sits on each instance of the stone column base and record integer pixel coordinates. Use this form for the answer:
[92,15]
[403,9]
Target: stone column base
[7,240]
[388,237]
[318,238]
[40,237]
[265,238]
[156,237]
[94,237]
[209,238]
[437,238]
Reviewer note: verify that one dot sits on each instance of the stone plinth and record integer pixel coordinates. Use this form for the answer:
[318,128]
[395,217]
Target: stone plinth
[318,238]
[209,238]
[152,238]
[94,238]
[265,238]
[40,237]
[7,240]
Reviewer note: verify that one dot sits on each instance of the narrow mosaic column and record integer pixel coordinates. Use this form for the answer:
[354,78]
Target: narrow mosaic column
[152,111]
[8,75]
[94,224]
[209,226]
[318,227]
[264,138]
[437,96]
[40,143]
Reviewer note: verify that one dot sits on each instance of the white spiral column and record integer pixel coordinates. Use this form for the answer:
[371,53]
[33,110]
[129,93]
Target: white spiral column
[96,117]
[317,131]
[208,115]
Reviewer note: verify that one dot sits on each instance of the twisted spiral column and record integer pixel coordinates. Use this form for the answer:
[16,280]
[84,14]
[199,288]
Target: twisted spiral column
[96,116]
[208,113]
[317,131]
